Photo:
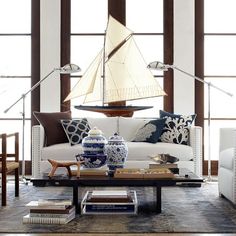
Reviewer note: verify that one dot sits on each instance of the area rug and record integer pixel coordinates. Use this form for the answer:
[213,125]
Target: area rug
[184,209]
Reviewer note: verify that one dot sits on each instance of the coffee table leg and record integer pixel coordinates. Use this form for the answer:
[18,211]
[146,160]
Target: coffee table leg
[158,199]
[75,199]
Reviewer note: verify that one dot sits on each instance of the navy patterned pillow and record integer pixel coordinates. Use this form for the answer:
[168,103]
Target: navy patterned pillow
[176,129]
[76,130]
[150,132]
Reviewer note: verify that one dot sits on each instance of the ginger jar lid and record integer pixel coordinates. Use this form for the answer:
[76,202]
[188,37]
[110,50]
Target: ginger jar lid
[95,131]
[116,138]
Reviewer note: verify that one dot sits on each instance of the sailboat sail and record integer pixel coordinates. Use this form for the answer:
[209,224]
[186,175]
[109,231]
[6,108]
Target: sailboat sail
[126,74]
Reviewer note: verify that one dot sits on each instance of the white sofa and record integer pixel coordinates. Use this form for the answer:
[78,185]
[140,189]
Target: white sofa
[227,164]
[190,156]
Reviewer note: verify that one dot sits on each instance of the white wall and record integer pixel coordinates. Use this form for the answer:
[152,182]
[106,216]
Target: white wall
[50,55]
[183,55]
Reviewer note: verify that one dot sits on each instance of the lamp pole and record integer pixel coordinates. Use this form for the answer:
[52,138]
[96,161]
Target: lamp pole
[67,69]
[156,65]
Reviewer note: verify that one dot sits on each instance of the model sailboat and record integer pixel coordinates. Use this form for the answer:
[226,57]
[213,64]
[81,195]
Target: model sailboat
[118,73]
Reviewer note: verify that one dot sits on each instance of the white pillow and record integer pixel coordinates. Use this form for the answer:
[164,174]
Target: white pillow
[128,127]
[108,125]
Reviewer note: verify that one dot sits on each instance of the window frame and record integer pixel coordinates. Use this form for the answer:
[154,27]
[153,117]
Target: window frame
[117,10]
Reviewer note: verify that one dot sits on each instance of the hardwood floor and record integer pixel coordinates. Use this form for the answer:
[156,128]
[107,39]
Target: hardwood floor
[142,234]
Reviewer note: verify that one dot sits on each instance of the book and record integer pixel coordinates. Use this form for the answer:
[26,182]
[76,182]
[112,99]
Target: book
[156,165]
[109,193]
[110,200]
[52,213]
[28,219]
[113,208]
[54,202]
[67,210]
[93,172]
[35,205]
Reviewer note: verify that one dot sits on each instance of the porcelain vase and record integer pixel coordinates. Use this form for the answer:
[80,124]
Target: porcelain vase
[117,151]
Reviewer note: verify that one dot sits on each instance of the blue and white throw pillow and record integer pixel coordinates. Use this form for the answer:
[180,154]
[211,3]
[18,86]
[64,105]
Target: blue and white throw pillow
[150,132]
[76,130]
[176,129]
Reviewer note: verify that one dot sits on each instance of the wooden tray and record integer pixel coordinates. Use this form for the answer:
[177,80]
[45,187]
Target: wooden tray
[129,173]
[143,173]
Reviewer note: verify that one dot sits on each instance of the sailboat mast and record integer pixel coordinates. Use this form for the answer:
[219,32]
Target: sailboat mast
[103,71]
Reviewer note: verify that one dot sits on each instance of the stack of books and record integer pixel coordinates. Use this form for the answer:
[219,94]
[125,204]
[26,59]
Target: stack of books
[109,202]
[50,211]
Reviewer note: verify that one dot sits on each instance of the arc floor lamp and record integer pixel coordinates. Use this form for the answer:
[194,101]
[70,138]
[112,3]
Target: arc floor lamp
[66,69]
[156,65]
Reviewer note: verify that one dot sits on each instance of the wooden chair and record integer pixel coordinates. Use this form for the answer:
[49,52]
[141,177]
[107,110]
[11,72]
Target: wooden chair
[9,163]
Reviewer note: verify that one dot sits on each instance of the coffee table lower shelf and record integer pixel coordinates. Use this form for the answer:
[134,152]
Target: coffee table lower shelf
[185,176]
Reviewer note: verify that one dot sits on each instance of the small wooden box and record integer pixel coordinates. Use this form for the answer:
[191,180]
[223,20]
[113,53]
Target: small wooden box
[143,173]
[159,173]
[129,173]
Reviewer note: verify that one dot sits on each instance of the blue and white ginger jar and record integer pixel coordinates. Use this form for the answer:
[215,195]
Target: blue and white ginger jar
[94,143]
[117,152]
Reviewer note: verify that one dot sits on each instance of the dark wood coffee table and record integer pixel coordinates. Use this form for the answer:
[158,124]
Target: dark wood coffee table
[185,177]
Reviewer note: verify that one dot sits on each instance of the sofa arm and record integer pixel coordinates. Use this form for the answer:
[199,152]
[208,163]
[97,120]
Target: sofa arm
[227,138]
[195,141]
[37,145]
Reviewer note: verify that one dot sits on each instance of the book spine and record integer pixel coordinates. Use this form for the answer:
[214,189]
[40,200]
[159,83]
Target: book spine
[53,211]
[47,220]
[110,208]
[48,215]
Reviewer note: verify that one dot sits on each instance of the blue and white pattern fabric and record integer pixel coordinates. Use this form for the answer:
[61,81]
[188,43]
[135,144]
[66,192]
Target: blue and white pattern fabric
[150,132]
[176,129]
[76,130]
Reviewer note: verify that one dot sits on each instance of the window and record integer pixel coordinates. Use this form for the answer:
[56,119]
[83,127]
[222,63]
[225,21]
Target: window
[87,39]
[87,36]
[15,67]
[219,68]
[148,31]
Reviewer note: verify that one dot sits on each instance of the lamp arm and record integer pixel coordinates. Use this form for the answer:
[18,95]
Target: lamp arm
[29,91]
[201,80]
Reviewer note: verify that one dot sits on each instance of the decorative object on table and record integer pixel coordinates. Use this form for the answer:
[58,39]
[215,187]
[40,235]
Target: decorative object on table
[116,75]
[164,158]
[76,130]
[67,165]
[93,149]
[135,173]
[156,65]
[66,69]
[92,160]
[117,152]
[94,143]
[92,172]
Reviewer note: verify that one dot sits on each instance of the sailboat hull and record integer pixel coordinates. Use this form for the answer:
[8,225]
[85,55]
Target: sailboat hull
[110,111]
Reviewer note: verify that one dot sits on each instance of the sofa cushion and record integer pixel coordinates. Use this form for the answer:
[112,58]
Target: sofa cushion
[176,129]
[150,132]
[62,151]
[76,130]
[142,150]
[128,127]
[226,158]
[51,122]
[108,125]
